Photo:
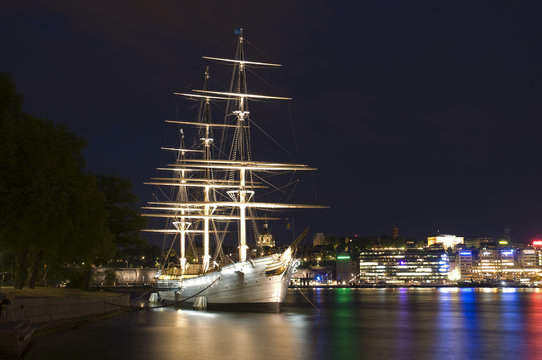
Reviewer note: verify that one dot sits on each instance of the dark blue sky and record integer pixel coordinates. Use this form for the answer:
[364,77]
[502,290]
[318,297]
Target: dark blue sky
[420,114]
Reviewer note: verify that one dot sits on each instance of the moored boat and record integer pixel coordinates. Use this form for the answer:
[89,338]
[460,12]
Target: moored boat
[214,189]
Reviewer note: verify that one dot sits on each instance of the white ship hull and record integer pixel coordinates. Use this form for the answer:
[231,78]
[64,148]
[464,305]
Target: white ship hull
[255,285]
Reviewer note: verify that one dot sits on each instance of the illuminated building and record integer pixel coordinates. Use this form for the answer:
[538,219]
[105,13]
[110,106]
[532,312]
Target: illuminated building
[528,258]
[265,239]
[314,276]
[498,264]
[488,262]
[303,277]
[537,244]
[465,264]
[344,269]
[404,266]
[447,241]
[508,262]
[319,239]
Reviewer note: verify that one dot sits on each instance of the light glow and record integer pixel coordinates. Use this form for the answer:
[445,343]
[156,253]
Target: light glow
[240,61]
[176,205]
[242,95]
[447,241]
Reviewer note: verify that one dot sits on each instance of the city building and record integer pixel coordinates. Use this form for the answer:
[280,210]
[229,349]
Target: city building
[303,277]
[447,241]
[319,239]
[345,269]
[479,242]
[314,276]
[498,264]
[528,258]
[265,239]
[414,266]
[464,264]
[537,244]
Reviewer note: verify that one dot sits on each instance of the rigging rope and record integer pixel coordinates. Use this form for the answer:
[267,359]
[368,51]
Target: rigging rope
[272,185]
[270,137]
[263,80]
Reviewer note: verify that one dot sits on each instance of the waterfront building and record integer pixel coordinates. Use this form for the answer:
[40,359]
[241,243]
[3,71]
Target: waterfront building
[498,264]
[537,245]
[379,265]
[345,269]
[414,266]
[303,277]
[528,258]
[314,276]
[489,263]
[508,261]
[465,264]
[447,241]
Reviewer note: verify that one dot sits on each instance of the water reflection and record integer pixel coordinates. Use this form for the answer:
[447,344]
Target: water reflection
[341,338]
[469,341]
[446,323]
[404,340]
[533,327]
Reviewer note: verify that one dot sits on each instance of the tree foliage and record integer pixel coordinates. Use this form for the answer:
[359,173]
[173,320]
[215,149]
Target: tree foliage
[123,217]
[51,210]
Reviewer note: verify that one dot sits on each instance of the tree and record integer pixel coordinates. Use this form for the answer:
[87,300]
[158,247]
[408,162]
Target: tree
[123,216]
[51,209]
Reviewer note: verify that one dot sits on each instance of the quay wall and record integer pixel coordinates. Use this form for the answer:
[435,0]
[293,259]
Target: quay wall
[44,312]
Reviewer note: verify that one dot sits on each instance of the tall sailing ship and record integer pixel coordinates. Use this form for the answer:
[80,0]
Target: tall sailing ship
[213,194]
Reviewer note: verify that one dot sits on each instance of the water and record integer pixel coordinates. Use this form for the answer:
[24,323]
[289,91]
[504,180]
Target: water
[446,323]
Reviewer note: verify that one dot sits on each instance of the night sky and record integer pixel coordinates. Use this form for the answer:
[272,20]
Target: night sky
[420,114]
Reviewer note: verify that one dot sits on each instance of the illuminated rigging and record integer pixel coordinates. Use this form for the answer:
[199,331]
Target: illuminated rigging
[212,192]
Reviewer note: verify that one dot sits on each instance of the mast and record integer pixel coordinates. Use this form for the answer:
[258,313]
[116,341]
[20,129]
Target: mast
[182,225]
[241,114]
[222,189]
[207,140]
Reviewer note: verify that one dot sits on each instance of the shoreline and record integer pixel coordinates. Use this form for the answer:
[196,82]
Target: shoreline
[49,308]
[473,286]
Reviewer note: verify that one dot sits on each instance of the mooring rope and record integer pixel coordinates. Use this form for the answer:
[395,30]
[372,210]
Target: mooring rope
[310,302]
[134,307]
[310,354]
[140,296]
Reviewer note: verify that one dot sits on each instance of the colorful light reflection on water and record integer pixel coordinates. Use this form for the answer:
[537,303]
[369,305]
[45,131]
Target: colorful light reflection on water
[405,323]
